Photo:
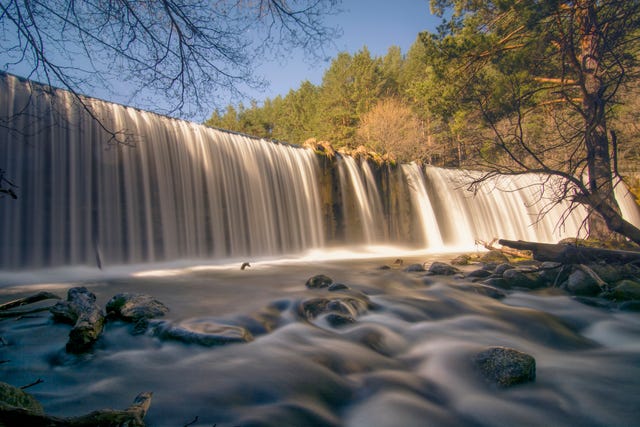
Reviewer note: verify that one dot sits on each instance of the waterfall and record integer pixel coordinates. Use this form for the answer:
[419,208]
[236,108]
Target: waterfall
[184,191]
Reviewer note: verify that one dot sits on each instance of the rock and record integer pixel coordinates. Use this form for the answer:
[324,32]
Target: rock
[496,282]
[17,398]
[339,319]
[384,267]
[319,281]
[485,290]
[494,257]
[134,307]
[81,310]
[337,287]
[580,283]
[501,268]
[479,274]
[553,273]
[516,278]
[630,306]
[626,290]
[463,259]
[608,272]
[202,331]
[505,366]
[443,269]
[414,268]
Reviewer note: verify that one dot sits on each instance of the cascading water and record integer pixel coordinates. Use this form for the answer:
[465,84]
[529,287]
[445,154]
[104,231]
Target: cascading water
[188,192]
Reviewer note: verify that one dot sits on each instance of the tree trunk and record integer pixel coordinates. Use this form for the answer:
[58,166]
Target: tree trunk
[600,184]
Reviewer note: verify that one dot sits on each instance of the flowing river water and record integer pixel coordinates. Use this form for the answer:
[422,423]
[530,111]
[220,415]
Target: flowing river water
[405,361]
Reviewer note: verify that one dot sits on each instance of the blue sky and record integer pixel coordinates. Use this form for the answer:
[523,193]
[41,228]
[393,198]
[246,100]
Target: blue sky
[377,24]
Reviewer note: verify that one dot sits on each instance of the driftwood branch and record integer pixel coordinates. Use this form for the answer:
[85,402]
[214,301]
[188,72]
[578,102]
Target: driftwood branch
[83,312]
[505,250]
[571,254]
[133,416]
[40,296]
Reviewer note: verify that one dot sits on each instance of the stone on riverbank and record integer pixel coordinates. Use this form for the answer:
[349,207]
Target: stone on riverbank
[504,367]
[580,283]
[496,257]
[17,398]
[626,290]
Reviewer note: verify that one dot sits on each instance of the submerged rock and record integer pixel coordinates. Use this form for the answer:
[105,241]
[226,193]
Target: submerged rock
[201,331]
[319,281]
[135,307]
[505,366]
[443,269]
[339,319]
[338,287]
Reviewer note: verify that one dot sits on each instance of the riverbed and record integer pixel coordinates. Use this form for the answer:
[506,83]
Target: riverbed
[406,360]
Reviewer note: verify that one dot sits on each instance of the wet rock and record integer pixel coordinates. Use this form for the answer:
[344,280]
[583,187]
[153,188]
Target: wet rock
[485,290]
[463,259]
[553,273]
[201,331]
[17,398]
[384,267]
[337,287]
[505,366]
[495,257]
[414,268]
[580,283]
[608,272]
[501,268]
[319,281]
[339,319]
[497,282]
[516,278]
[135,307]
[482,273]
[443,269]
[626,290]
[630,306]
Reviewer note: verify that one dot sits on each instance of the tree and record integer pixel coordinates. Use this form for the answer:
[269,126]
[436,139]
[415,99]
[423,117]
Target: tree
[544,77]
[391,128]
[186,50]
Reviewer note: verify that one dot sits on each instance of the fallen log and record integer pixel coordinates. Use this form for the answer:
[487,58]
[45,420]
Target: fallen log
[80,309]
[571,254]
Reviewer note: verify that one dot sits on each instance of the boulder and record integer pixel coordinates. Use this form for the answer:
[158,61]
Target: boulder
[482,273]
[319,281]
[516,278]
[339,319]
[626,290]
[443,269]
[496,257]
[501,268]
[504,367]
[580,283]
[135,307]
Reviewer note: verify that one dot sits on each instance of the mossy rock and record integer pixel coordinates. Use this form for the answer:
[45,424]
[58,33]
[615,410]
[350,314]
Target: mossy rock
[626,290]
[496,257]
[18,398]
[505,367]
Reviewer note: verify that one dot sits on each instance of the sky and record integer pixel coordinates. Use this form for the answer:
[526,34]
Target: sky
[377,24]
